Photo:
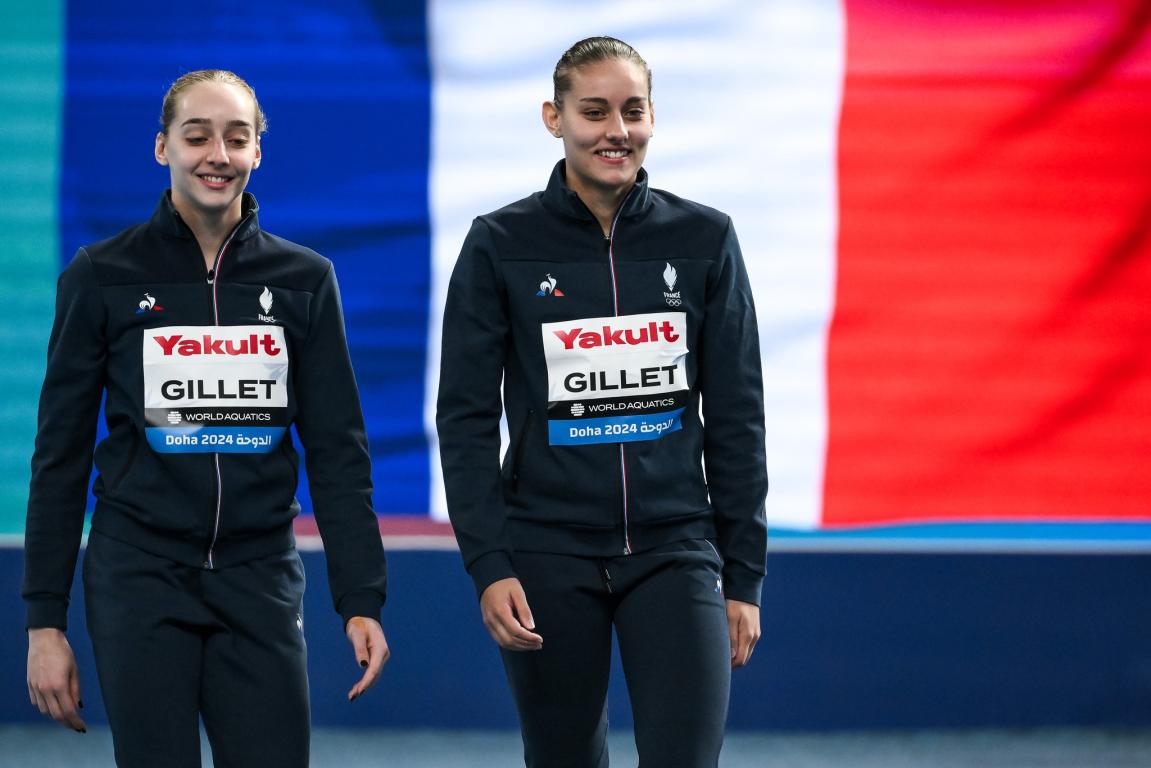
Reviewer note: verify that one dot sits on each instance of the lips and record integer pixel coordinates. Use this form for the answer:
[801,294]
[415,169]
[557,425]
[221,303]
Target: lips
[214,182]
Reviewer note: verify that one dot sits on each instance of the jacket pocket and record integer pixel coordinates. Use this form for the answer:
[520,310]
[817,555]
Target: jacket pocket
[518,456]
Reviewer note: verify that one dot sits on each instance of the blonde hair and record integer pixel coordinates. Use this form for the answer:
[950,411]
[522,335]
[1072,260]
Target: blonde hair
[168,109]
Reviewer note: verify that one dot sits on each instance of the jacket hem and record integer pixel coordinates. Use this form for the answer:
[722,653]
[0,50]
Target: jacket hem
[226,551]
[539,536]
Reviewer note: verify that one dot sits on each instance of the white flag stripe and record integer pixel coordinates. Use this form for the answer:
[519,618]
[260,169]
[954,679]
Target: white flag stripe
[746,99]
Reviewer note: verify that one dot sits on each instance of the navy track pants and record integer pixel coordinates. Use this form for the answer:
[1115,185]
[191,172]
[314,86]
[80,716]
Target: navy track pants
[174,643]
[670,618]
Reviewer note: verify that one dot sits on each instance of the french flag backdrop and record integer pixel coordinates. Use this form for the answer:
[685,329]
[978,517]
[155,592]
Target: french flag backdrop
[945,209]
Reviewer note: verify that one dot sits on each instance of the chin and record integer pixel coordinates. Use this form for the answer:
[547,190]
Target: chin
[620,178]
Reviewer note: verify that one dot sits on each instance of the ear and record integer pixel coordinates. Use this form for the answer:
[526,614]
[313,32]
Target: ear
[259,153]
[161,148]
[551,118]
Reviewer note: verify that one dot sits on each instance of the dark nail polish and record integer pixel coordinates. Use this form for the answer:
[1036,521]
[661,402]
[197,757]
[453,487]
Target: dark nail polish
[81,730]
[81,702]
[364,664]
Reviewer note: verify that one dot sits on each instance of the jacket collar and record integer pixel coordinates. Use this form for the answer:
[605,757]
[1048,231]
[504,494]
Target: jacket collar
[168,219]
[559,197]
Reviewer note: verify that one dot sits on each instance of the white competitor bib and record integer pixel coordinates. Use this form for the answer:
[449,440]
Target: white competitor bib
[616,379]
[215,389]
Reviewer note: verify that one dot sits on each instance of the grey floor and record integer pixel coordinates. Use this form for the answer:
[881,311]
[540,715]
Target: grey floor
[47,746]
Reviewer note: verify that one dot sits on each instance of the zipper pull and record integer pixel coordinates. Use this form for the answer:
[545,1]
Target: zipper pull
[211,276]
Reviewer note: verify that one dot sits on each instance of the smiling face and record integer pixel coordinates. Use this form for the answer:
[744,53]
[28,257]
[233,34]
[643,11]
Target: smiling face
[605,119]
[211,146]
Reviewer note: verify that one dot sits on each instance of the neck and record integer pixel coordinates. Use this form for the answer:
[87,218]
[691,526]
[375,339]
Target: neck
[603,203]
[604,207]
[210,230]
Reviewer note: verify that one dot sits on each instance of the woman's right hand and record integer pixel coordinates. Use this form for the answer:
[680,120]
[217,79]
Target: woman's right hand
[507,616]
[53,680]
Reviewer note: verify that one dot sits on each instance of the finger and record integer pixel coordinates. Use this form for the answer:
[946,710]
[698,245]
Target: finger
[517,636]
[521,644]
[63,711]
[378,655]
[507,630]
[74,689]
[360,652]
[508,617]
[75,702]
[513,637]
[742,654]
[75,722]
[41,703]
[359,640]
[368,679]
[733,634]
[522,610]
[55,705]
[519,621]
[748,636]
[499,632]
[738,625]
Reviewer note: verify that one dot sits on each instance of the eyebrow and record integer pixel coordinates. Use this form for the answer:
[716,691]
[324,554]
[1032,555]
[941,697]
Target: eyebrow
[206,121]
[597,100]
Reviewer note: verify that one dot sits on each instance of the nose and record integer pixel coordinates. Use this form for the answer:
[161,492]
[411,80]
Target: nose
[218,152]
[616,128]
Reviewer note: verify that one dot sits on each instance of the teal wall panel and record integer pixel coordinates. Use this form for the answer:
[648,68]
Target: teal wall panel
[31,66]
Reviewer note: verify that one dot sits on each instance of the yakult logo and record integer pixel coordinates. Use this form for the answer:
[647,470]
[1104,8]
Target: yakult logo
[207,344]
[608,335]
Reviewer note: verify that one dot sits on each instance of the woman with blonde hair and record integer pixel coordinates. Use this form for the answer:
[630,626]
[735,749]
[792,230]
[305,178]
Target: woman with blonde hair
[208,337]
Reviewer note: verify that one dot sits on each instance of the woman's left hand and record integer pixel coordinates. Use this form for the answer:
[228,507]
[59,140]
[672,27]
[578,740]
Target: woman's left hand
[371,648]
[743,626]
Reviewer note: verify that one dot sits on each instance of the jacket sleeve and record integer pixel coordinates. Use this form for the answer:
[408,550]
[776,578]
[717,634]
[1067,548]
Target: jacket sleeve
[469,408]
[331,427]
[66,432]
[731,387]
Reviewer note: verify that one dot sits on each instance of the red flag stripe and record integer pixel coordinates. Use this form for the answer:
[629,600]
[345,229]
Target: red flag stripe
[989,356]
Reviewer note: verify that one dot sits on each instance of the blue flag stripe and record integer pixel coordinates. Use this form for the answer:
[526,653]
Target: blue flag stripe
[345,86]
